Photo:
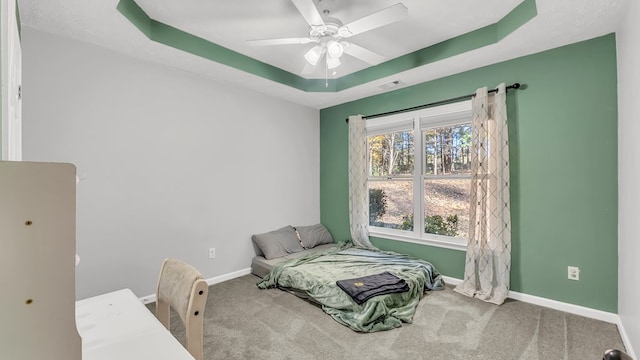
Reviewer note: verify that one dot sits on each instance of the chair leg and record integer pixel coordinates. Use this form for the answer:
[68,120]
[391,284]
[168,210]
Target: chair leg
[195,343]
[194,324]
[163,313]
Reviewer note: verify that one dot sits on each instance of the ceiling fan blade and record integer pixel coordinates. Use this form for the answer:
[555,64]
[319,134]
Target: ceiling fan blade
[309,12]
[381,18]
[308,68]
[284,41]
[364,54]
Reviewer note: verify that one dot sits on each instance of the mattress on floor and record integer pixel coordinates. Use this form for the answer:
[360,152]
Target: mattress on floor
[261,266]
[317,274]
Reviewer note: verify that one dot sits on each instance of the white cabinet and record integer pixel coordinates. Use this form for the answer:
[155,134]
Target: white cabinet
[11,78]
[37,261]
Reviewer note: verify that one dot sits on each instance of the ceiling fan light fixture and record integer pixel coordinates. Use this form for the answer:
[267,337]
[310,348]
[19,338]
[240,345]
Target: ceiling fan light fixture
[314,54]
[334,49]
[332,62]
[343,31]
[317,31]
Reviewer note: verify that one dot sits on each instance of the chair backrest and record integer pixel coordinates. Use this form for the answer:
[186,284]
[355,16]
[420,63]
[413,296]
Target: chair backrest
[182,288]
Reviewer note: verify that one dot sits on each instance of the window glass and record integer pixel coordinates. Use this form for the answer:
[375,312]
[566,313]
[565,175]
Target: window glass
[391,204]
[391,154]
[419,174]
[448,150]
[391,164]
[447,180]
[446,207]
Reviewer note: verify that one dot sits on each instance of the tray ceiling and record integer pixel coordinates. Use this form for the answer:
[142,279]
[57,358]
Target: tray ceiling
[228,25]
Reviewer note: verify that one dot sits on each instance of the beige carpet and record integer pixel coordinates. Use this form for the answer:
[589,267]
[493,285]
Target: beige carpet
[244,322]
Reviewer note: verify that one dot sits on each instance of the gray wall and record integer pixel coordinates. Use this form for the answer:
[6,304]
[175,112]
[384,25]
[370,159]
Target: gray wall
[629,175]
[172,163]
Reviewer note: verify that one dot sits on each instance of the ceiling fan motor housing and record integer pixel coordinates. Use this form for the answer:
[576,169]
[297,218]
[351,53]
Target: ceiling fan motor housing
[332,28]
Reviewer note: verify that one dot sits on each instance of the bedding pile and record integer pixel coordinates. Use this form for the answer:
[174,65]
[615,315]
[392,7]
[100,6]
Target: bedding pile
[317,275]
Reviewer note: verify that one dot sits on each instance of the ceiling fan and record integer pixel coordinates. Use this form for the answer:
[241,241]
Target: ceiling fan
[328,34]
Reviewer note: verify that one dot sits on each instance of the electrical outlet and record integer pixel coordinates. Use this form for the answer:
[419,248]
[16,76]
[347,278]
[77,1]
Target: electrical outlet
[573,273]
[212,253]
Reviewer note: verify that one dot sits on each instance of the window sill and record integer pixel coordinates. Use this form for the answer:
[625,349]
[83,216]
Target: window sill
[455,244]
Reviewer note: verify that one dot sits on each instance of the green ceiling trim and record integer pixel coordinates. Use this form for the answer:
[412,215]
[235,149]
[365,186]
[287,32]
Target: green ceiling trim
[181,40]
[472,40]
[178,39]
[136,16]
[517,17]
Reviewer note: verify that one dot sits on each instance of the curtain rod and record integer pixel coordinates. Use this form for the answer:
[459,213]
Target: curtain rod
[441,102]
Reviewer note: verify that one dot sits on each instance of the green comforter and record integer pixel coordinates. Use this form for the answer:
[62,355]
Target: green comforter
[317,273]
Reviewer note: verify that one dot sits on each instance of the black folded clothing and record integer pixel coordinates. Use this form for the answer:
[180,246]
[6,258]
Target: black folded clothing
[364,288]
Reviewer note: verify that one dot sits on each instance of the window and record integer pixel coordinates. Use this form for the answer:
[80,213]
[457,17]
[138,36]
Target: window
[419,168]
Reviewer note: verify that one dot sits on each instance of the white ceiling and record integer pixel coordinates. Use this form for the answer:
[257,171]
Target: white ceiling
[231,23]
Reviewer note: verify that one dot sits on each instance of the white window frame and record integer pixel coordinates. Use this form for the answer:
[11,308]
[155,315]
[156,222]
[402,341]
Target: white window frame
[418,121]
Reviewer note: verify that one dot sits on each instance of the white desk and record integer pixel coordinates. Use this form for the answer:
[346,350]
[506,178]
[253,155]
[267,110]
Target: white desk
[117,326]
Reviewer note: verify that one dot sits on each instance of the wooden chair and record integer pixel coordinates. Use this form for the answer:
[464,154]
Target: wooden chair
[182,288]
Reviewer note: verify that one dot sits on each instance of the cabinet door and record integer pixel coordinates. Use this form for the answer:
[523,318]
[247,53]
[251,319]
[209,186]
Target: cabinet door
[11,61]
[37,261]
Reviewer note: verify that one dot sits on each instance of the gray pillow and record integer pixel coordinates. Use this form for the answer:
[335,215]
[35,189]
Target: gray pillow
[278,243]
[314,235]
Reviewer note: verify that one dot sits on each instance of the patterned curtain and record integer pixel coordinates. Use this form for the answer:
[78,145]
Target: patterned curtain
[358,191]
[488,261]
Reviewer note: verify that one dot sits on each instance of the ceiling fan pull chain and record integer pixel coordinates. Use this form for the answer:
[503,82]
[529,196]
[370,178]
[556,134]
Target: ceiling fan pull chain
[326,74]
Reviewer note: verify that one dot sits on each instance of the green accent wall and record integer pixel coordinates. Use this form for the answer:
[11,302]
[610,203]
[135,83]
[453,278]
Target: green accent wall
[563,137]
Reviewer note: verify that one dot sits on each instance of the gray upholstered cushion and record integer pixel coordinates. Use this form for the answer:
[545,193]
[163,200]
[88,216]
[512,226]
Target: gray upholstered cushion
[314,235]
[278,243]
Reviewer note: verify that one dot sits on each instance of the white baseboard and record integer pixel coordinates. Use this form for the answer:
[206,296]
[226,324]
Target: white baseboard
[553,304]
[626,340]
[570,308]
[229,276]
[214,280]
[451,281]
[566,307]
